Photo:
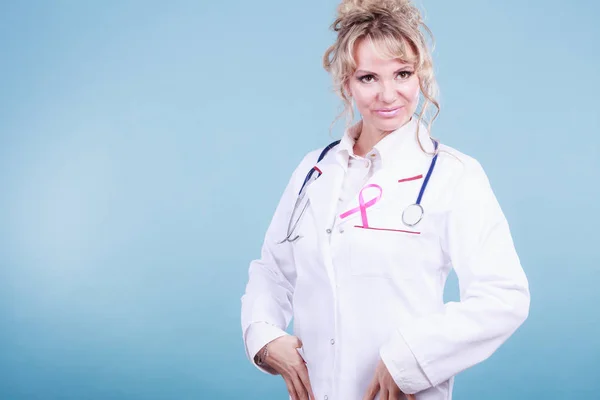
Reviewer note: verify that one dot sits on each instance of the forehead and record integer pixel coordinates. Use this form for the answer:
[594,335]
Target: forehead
[374,55]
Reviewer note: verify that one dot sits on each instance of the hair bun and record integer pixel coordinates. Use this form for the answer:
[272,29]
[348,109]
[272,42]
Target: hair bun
[399,8]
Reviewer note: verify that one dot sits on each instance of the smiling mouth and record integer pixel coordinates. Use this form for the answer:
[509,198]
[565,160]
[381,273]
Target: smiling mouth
[388,112]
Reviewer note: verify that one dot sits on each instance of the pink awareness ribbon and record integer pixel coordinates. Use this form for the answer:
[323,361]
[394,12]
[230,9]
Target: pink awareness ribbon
[362,206]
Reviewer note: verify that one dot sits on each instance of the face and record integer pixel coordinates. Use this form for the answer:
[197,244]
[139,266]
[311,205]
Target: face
[386,92]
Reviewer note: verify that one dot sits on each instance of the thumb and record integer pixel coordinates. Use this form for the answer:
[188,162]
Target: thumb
[298,342]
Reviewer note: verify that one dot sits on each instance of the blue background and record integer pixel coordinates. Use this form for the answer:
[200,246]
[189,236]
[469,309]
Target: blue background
[145,144]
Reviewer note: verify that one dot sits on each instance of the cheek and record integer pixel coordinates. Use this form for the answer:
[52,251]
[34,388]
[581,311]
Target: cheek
[411,92]
[364,96]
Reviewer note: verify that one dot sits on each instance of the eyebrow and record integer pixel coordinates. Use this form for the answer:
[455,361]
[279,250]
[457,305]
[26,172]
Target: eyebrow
[364,72]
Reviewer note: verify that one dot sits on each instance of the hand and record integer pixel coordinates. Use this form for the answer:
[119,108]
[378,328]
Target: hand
[284,359]
[384,383]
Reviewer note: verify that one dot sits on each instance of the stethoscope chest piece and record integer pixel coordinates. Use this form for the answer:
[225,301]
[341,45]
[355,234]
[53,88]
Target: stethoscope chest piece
[412,215]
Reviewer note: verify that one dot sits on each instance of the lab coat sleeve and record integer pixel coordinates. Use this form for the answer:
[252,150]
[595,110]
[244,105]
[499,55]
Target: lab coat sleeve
[267,301]
[259,334]
[494,294]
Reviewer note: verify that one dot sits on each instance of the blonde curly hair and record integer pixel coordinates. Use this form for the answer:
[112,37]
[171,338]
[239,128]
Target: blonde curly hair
[396,28]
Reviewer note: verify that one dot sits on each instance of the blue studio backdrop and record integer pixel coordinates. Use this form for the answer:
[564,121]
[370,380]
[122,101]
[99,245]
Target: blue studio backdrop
[145,144]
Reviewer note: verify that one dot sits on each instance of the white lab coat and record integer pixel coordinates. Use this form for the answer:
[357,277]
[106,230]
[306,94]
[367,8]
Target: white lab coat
[384,298]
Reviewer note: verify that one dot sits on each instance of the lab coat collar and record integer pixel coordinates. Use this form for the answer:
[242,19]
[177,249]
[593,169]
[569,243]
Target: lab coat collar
[403,166]
[397,147]
[402,145]
[401,155]
[346,147]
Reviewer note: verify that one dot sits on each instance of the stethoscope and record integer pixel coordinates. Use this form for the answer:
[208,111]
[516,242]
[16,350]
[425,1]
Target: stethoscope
[411,215]
[312,176]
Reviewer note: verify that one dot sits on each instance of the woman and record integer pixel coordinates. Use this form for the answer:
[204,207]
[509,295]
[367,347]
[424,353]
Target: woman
[359,249]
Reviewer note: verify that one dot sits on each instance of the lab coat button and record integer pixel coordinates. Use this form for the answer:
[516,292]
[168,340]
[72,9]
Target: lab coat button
[326,397]
[332,341]
[328,231]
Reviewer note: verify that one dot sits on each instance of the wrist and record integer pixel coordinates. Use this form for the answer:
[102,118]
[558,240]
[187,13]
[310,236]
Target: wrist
[261,357]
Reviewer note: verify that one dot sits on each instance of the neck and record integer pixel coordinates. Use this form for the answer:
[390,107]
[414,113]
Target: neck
[369,137]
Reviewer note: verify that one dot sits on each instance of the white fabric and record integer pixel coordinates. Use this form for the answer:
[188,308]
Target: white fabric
[358,169]
[358,295]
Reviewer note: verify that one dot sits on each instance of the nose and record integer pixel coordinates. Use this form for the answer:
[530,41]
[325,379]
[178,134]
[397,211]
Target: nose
[387,93]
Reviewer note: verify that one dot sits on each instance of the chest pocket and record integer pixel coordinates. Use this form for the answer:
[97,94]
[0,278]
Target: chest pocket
[386,248]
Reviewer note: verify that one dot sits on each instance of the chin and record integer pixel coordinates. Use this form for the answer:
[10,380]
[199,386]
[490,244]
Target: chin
[390,124]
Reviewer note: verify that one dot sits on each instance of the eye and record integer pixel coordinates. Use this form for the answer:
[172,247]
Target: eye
[405,74]
[366,78]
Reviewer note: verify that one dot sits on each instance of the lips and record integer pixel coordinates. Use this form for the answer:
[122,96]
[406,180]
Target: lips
[388,112]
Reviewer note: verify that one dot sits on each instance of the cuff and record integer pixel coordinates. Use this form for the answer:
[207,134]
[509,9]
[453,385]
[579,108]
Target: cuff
[257,336]
[403,366]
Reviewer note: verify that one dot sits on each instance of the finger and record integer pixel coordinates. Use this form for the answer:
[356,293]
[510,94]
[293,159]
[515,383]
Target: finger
[410,397]
[300,389]
[384,394]
[290,387]
[303,374]
[372,390]
[395,393]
